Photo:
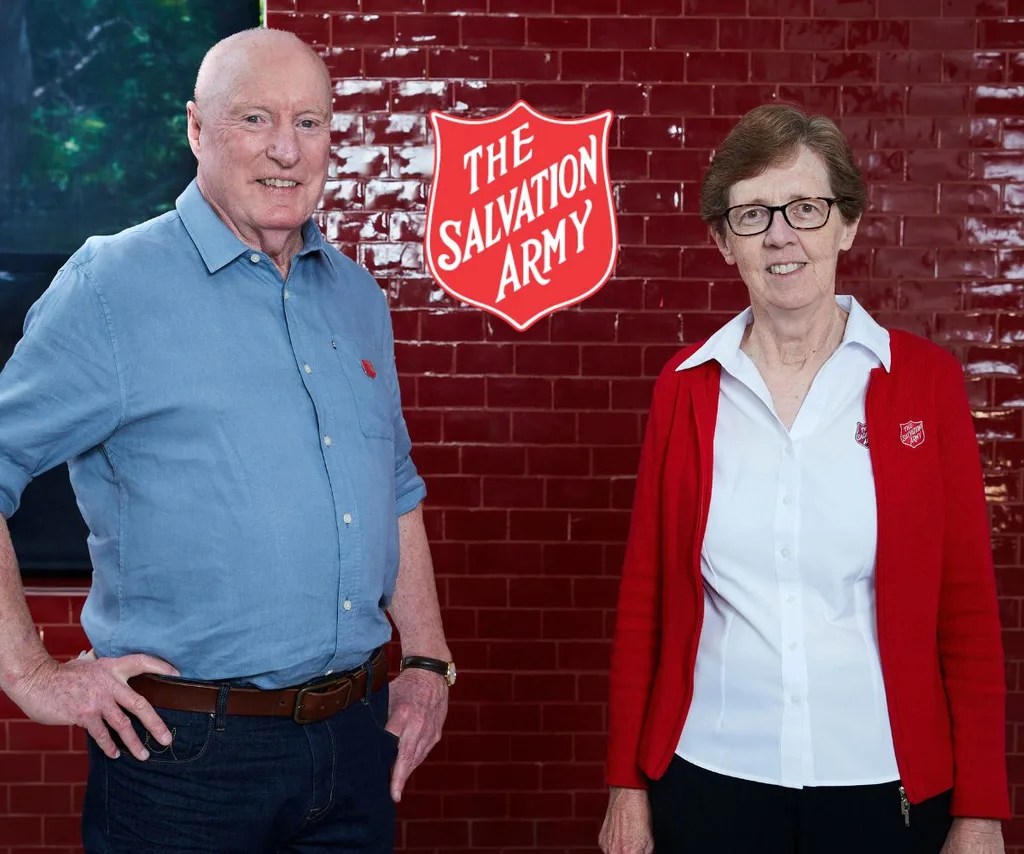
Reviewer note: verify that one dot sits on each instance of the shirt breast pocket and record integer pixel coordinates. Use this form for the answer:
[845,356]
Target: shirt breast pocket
[370,392]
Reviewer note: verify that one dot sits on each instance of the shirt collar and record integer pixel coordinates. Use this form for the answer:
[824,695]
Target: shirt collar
[861,329]
[217,244]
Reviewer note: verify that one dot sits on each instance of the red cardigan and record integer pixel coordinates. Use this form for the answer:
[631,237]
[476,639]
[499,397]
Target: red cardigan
[938,623]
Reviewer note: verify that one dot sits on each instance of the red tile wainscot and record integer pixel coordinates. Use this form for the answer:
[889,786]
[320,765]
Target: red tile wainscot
[529,442]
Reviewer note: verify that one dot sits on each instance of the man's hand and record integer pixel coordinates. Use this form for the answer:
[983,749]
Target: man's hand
[627,823]
[417,706]
[974,836]
[94,694]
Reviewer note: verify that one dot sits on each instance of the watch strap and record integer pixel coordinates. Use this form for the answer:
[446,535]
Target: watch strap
[422,662]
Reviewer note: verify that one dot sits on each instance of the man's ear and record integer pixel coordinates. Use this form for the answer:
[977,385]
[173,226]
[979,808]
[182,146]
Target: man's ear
[718,232]
[192,111]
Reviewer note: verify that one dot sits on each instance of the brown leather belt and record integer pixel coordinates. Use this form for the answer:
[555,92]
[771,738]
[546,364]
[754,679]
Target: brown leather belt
[311,703]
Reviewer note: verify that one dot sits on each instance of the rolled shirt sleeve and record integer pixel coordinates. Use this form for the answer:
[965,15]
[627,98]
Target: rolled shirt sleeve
[60,392]
[410,489]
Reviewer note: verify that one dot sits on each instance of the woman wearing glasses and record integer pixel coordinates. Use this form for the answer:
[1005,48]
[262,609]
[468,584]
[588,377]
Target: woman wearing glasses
[807,655]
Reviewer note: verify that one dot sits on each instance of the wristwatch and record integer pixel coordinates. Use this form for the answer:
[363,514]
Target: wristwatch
[435,665]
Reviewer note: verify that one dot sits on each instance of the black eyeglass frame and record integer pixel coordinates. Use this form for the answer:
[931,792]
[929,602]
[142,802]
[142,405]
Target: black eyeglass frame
[772,209]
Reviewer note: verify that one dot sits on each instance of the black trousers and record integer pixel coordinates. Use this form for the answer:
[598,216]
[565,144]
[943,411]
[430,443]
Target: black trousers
[696,811]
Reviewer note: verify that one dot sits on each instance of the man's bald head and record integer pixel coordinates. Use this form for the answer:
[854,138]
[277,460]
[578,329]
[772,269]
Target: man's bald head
[232,58]
[260,128]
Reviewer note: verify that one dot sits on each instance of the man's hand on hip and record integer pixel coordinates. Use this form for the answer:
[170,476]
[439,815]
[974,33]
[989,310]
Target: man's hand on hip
[94,694]
[417,706]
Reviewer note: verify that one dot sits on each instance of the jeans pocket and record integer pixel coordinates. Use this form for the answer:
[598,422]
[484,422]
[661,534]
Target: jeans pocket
[379,715]
[191,733]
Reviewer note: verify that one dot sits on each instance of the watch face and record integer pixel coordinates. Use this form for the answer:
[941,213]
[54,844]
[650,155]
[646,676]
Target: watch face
[451,673]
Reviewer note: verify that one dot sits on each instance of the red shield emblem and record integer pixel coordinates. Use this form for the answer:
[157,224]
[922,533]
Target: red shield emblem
[862,434]
[912,433]
[521,220]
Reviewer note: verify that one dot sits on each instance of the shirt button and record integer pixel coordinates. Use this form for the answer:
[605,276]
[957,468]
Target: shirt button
[254,258]
[785,500]
[328,672]
[327,441]
[789,450]
[791,598]
[795,699]
[793,645]
[346,605]
[307,369]
[785,553]
[347,518]
[287,294]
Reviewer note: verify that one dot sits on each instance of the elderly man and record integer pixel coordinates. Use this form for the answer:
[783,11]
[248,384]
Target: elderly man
[222,384]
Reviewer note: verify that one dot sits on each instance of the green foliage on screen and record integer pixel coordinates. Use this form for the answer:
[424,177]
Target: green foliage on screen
[101,142]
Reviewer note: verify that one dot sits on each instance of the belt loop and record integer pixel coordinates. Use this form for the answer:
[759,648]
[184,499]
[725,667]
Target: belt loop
[369,681]
[219,721]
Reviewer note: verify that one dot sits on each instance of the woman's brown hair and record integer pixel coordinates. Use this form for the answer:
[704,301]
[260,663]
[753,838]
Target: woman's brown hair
[769,135]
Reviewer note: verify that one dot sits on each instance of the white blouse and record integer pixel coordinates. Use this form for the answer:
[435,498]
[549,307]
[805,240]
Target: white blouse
[788,686]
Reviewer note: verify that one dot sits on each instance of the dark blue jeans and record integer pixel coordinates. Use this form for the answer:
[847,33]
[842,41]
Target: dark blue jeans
[248,785]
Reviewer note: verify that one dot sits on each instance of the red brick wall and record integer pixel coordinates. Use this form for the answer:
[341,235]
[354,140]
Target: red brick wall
[529,441]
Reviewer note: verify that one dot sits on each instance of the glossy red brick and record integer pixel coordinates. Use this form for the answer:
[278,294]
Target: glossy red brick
[420,95]
[554,98]
[845,67]
[587,7]
[943,34]
[938,100]
[714,8]
[716,67]
[458,62]
[910,9]
[740,34]
[823,100]
[519,392]
[620,33]
[652,7]
[1000,100]
[685,33]
[524,64]
[874,35]
[314,29]
[493,31]
[669,229]
[426,30]
[364,29]
[567,833]
[662,66]
[782,66]
[650,132]
[621,98]
[975,68]
[814,34]
[910,67]
[544,428]
[978,8]
[521,7]
[576,393]
[1006,34]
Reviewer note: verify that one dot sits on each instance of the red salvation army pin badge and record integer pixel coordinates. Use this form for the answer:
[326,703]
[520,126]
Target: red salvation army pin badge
[520,220]
[861,435]
[912,433]
[368,369]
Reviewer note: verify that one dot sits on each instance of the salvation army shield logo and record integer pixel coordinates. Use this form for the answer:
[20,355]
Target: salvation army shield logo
[912,433]
[521,221]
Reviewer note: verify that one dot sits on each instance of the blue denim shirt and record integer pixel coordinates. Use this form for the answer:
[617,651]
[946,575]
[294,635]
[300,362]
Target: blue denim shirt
[235,441]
